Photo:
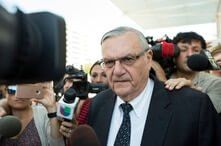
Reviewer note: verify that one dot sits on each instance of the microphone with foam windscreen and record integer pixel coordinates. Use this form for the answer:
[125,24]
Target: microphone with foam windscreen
[202,62]
[84,135]
[9,126]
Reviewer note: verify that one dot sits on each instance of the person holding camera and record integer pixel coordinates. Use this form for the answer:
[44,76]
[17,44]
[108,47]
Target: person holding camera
[97,76]
[39,127]
[191,43]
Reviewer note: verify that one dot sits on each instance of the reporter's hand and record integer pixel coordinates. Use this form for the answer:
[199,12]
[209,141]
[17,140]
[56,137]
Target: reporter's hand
[2,112]
[4,107]
[48,100]
[66,128]
[177,83]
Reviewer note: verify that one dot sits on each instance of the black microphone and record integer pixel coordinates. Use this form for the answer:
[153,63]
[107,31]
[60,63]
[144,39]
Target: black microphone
[84,135]
[9,126]
[202,62]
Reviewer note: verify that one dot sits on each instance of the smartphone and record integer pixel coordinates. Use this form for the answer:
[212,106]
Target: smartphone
[30,91]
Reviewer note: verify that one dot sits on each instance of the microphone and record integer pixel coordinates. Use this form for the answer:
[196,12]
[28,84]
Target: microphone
[202,62]
[9,126]
[84,135]
[67,104]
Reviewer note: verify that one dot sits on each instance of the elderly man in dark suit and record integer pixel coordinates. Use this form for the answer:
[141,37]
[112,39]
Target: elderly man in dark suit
[138,110]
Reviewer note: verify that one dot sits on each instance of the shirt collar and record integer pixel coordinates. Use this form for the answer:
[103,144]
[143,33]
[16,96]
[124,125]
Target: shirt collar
[141,100]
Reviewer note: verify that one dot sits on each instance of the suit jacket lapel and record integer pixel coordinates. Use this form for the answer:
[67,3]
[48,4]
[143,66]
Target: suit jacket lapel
[105,114]
[158,117]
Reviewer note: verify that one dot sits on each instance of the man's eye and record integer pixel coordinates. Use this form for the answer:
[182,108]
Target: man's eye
[197,51]
[104,75]
[94,75]
[109,62]
[128,59]
[183,49]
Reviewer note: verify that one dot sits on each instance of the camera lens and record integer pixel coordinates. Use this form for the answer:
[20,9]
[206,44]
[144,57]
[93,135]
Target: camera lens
[38,92]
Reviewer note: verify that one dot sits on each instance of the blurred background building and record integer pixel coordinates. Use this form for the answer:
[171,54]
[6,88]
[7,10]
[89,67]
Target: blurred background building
[87,20]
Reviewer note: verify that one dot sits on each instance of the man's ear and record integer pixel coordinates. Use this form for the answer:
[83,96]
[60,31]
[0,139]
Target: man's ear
[149,54]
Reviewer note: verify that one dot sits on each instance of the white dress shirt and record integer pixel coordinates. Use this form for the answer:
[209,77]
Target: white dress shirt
[137,116]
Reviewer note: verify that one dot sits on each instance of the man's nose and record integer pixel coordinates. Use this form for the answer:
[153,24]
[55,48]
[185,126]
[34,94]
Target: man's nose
[99,79]
[189,52]
[118,68]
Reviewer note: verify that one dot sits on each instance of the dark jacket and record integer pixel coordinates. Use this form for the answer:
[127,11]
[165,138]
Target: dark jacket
[184,117]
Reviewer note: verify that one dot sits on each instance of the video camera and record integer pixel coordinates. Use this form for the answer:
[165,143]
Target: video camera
[32,47]
[164,52]
[80,83]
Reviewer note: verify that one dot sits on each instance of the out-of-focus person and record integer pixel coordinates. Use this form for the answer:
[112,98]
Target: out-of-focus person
[97,73]
[191,43]
[215,49]
[97,76]
[39,123]
[67,82]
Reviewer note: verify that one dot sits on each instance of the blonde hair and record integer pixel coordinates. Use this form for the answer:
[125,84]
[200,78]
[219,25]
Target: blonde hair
[214,47]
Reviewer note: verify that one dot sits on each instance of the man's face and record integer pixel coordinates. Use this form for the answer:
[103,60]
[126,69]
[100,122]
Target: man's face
[128,81]
[186,50]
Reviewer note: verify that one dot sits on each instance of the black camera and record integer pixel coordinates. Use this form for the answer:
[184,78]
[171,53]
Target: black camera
[32,47]
[80,85]
[164,52]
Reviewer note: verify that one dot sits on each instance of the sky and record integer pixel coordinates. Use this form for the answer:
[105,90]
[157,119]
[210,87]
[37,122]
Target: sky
[88,20]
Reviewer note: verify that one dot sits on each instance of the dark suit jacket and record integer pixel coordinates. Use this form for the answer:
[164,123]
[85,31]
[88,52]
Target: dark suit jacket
[183,117]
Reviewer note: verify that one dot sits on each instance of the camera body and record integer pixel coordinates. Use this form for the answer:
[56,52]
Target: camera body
[164,52]
[81,85]
[33,47]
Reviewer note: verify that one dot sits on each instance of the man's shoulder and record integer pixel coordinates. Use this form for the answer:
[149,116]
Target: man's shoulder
[207,77]
[185,92]
[100,101]
[189,92]
[103,96]
[188,98]
[183,95]
[209,83]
